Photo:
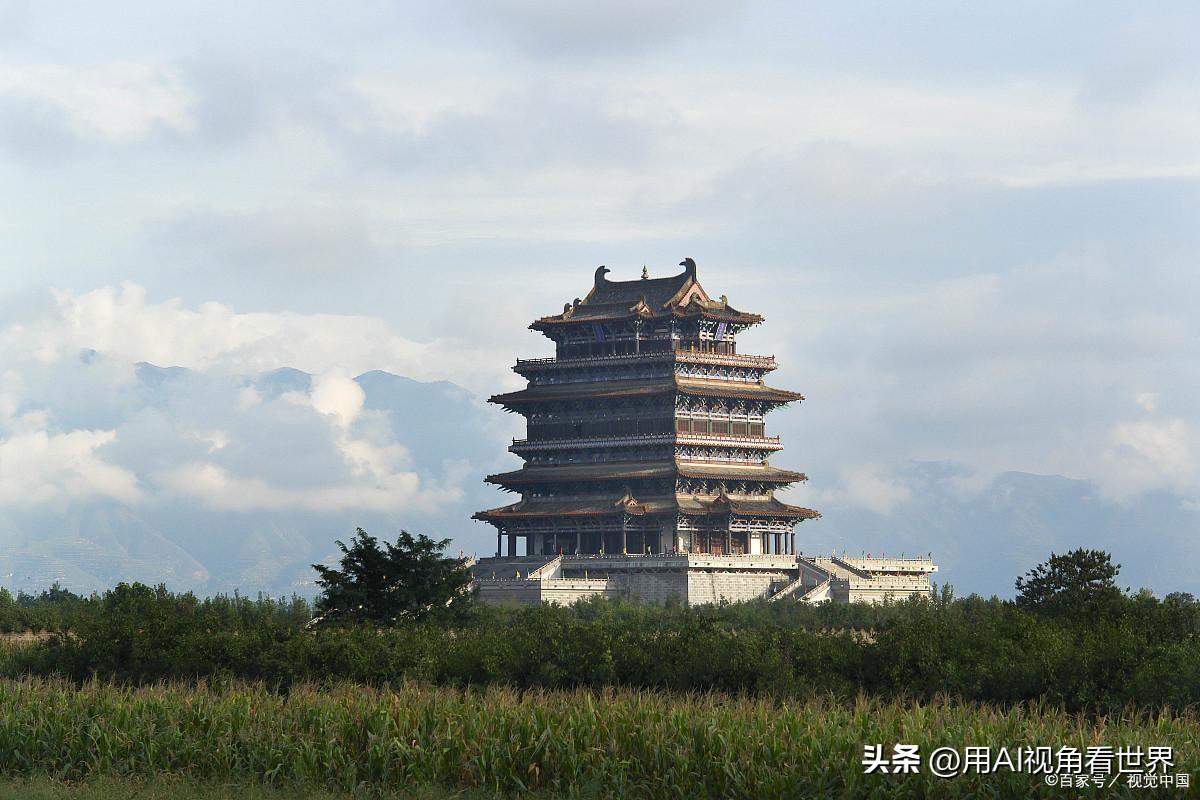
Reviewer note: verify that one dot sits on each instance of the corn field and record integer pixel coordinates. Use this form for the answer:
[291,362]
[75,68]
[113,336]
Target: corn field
[569,743]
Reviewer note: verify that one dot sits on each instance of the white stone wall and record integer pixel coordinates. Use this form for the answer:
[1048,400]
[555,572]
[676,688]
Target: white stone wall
[509,592]
[864,593]
[564,591]
[658,582]
[652,587]
[733,587]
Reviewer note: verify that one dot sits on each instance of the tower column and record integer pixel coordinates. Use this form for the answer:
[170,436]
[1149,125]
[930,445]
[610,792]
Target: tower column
[512,545]
[497,543]
[578,542]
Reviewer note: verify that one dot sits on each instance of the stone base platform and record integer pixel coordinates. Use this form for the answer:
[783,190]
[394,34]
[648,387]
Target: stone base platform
[696,579]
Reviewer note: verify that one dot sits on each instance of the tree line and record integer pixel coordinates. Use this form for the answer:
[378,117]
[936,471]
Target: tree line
[1071,637]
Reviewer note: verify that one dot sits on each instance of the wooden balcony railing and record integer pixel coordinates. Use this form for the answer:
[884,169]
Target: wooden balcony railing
[756,442]
[687,356]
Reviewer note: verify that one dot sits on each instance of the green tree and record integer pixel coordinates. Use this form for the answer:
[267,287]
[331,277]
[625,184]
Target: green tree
[410,580]
[1070,584]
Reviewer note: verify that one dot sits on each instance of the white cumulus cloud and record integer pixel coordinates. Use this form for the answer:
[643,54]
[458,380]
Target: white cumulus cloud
[122,324]
[118,102]
[868,485]
[216,488]
[1150,454]
[38,467]
[80,419]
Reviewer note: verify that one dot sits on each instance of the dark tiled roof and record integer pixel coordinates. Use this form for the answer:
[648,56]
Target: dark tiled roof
[656,291]
[573,391]
[612,300]
[770,508]
[551,507]
[607,313]
[570,472]
[750,391]
[637,470]
[733,472]
[634,388]
[547,507]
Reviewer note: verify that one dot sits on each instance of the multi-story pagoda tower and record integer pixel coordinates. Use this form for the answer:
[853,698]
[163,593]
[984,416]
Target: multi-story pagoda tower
[646,430]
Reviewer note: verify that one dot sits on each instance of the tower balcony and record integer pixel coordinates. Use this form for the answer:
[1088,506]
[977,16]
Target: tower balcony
[766,363]
[726,359]
[768,443]
[753,442]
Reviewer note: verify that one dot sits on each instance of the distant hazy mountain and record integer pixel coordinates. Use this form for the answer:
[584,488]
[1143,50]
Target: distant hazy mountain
[451,439]
[983,534]
[983,538]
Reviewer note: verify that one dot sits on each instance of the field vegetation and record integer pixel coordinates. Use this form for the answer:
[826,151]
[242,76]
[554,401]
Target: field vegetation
[367,693]
[1130,650]
[611,743]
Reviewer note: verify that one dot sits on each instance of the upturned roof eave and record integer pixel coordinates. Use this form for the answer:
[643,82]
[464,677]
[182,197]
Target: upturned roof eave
[723,315]
[682,504]
[760,473]
[695,388]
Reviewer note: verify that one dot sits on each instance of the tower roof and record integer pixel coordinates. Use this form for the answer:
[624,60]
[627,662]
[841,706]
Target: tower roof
[657,292]
[544,393]
[528,508]
[678,295]
[634,470]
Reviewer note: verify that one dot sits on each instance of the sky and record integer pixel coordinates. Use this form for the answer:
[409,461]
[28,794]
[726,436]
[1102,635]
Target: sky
[972,231]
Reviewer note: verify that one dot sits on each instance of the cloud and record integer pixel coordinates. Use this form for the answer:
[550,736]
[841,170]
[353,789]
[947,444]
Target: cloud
[120,323]
[1032,368]
[42,468]
[339,397]
[216,488]
[83,416]
[292,240]
[14,20]
[869,486]
[314,449]
[543,130]
[35,129]
[117,103]
[1151,454]
[600,26]
[190,436]
[1147,400]
[961,253]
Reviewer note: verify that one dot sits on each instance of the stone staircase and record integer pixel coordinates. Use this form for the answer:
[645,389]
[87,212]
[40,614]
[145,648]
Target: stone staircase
[808,569]
[840,569]
[788,589]
[821,592]
[550,569]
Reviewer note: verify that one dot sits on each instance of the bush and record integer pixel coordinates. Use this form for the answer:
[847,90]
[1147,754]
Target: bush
[1140,651]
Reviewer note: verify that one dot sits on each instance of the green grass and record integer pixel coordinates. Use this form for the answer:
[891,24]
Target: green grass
[173,788]
[355,740]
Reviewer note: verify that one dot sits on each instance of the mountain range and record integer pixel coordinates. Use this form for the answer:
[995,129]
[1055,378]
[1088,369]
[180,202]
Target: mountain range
[982,531]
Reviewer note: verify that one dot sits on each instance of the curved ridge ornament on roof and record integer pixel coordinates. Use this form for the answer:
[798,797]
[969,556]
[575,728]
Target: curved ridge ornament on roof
[678,295]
